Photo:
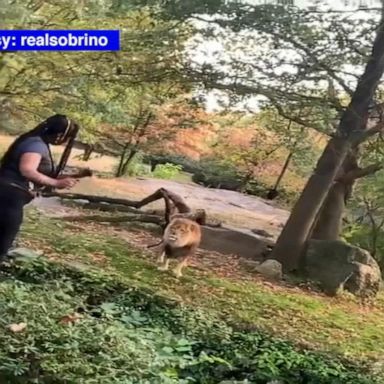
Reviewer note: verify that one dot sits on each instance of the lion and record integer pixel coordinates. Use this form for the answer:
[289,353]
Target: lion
[180,240]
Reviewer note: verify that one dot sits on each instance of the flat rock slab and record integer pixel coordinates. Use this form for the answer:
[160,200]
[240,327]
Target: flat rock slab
[230,207]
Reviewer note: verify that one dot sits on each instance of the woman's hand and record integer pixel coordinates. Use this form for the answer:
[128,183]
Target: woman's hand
[65,183]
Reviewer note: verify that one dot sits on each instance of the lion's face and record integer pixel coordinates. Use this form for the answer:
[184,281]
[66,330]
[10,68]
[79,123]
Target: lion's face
[179,234]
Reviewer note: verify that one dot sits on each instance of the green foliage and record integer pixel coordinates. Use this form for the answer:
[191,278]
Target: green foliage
[188,165]
[285,197]
[136,167]
[360,234]
[91,87]
[292,136]
[365,217]
[167,171]
[125,334]
[218,174]
[297,57]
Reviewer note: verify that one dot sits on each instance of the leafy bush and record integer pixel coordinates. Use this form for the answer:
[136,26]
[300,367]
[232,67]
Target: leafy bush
[87,327]
[257,189]
[167,171]
[188,165]
[136,167]
[285,197]
[216,174]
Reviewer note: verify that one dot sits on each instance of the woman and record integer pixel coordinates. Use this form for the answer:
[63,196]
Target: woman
[27,165]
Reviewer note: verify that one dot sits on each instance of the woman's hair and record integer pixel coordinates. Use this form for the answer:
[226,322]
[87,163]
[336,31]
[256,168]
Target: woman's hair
[55,129]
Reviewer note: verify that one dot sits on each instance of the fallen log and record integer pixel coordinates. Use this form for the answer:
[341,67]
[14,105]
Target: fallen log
[91,198]
[163,193]
[199,215]
[116,219]
[173,203]
[104,207]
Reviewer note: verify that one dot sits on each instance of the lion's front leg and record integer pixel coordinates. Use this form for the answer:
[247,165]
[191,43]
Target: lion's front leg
[178,271]
[165,265]
[161,258]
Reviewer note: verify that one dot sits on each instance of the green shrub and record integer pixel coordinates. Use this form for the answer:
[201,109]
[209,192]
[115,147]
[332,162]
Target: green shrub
[256,188]
[167,171]
[188,165]
[136,167]
[216,174]
[285,197]
[129,335]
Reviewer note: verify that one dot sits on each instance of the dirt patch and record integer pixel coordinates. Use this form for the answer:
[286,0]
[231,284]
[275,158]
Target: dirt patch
[207,262]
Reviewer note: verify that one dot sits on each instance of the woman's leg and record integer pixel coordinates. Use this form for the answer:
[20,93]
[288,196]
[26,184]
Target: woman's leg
[11,218]
[10,223]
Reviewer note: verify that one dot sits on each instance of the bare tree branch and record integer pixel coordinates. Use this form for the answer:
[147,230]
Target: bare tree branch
[361,172]
[361,136]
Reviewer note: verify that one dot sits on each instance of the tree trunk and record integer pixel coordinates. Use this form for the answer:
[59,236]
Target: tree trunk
[272,193]
[154,164]
[283,170]
[119,171]
[88,152]
[329,224]
[295,233]
[330,218]
[291,242]
[132,154]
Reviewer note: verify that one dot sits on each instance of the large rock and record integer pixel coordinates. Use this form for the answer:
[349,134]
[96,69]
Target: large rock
[338,266]
[271,269]
[226,240]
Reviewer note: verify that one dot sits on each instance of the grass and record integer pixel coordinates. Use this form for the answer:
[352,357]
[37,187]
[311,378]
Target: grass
[339,325]
[61,324]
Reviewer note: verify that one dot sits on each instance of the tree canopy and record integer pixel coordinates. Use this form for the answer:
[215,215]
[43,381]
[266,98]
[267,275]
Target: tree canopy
[92,86]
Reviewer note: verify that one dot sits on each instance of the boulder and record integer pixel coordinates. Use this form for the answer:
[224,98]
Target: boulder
[339,266]
[229,241]
[270,268]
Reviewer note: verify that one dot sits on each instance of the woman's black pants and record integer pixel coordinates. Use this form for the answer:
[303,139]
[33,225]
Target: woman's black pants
[12,201]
